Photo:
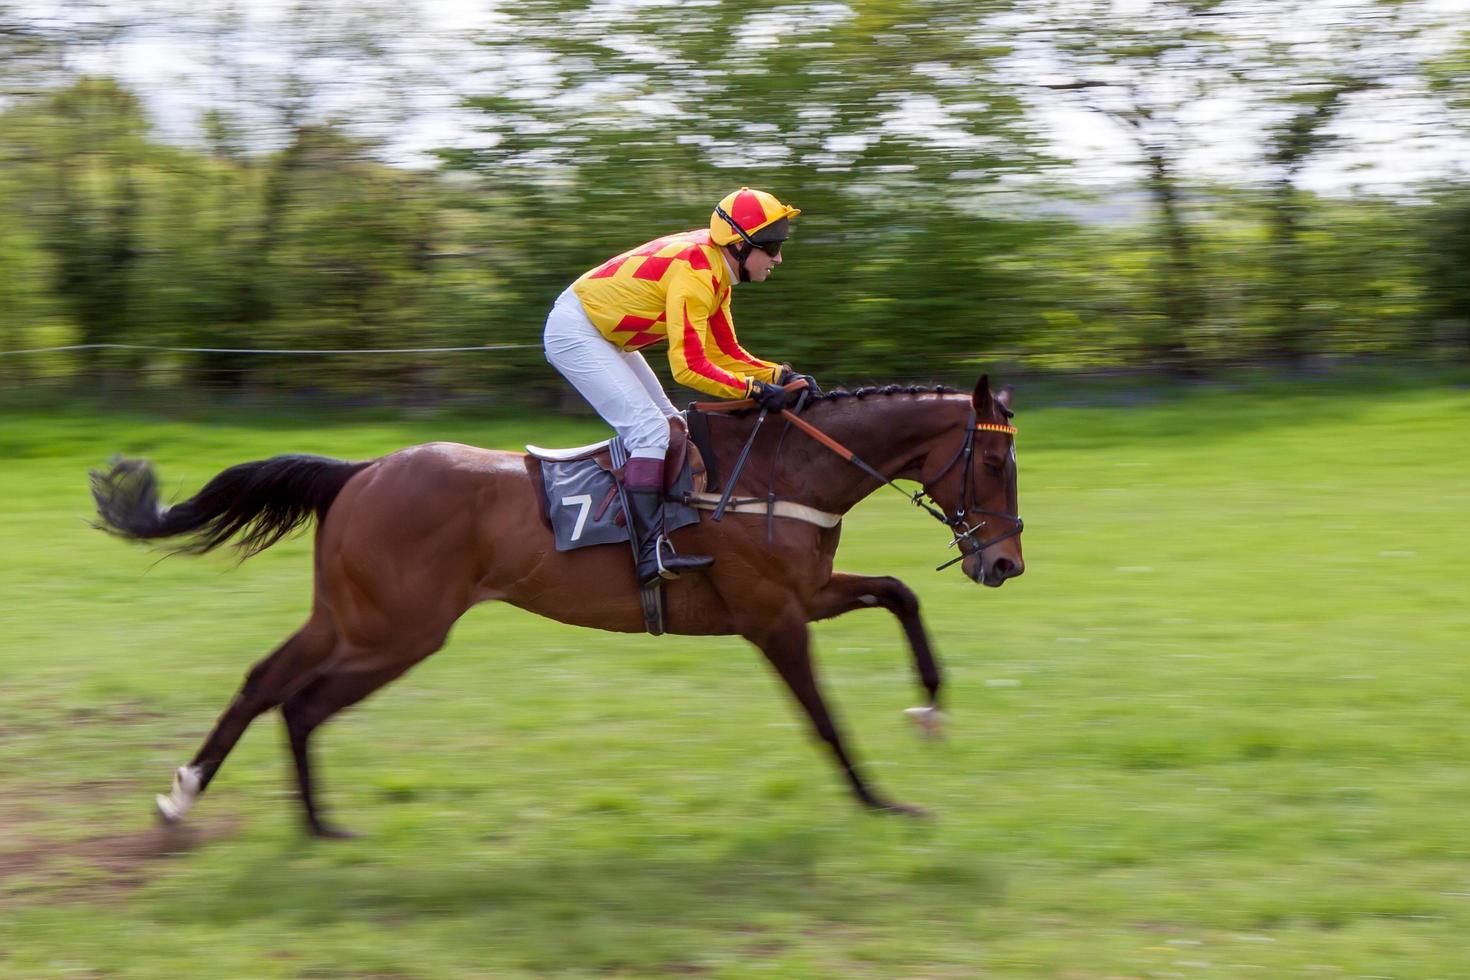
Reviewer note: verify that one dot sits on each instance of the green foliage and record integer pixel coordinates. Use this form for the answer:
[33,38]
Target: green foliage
[80,178]
[26,295]
[1447,226]
[931,236]
[609,130]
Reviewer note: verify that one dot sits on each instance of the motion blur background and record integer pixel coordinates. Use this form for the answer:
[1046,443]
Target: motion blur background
[1058,185]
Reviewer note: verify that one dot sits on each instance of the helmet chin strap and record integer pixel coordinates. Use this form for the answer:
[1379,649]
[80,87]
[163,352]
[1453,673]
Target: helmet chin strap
[747,244]
[740,254]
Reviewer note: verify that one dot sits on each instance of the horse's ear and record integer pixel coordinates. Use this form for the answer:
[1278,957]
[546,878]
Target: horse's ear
[1004,397]
[982,396]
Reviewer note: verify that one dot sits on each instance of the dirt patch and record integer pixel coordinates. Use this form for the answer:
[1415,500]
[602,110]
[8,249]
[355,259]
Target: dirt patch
[16,730]
[28,809]
[102,866]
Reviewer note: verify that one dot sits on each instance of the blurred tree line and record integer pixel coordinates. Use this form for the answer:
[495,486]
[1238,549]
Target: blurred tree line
[936,234]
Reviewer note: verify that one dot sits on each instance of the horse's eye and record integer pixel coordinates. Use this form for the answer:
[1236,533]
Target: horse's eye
[995,463]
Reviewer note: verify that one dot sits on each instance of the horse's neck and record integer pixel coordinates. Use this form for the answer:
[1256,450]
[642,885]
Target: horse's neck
[893,434]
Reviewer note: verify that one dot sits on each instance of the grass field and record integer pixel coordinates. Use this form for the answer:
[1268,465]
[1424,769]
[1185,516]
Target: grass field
[1221,728]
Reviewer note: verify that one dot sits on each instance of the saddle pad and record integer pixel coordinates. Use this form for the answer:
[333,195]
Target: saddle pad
[582,502]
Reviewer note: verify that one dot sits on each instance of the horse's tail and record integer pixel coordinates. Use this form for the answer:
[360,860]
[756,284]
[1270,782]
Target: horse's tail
[257,503]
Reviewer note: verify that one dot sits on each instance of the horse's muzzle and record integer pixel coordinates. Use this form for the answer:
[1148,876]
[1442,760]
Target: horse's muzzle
[995,572]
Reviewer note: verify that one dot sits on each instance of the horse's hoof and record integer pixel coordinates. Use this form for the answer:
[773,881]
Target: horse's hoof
[899,809]
[929,719]
[171,808]
[168,813]
[327,832]
[909,810]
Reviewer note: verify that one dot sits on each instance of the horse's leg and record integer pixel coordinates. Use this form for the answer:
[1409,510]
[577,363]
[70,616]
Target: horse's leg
[269,682]
[313,705]
[788,647]
[843,593]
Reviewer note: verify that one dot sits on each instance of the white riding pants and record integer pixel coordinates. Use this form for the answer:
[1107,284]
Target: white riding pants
[618,384]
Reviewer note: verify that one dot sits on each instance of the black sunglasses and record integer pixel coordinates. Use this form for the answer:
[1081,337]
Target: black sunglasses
[772,249]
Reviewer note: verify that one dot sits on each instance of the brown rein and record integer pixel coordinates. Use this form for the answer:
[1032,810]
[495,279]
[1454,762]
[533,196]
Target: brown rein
[822,437]
[963,531]
[795,420]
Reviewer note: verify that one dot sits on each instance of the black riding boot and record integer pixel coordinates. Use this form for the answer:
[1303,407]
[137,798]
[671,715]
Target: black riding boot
[656,557]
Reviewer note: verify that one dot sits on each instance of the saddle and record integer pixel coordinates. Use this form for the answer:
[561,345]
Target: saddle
[581,484]
[681,450]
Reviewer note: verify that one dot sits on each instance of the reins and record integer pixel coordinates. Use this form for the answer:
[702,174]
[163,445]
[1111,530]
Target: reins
[963,531]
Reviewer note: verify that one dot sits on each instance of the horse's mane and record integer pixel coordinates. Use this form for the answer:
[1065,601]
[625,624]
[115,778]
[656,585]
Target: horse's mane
[837,394]
[867,392]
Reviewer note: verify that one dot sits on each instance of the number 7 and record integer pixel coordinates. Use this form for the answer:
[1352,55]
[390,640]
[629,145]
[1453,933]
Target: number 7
[584,501]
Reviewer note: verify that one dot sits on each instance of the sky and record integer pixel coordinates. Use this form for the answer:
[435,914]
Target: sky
[175,63]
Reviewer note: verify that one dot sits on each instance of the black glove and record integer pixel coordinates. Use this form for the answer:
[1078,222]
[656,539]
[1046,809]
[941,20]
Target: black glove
[789,375]
[771,397]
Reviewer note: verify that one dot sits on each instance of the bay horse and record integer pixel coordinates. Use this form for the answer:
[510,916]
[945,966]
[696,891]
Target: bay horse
[408,542]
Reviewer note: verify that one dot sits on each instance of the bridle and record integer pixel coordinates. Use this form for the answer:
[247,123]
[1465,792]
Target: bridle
[964,531]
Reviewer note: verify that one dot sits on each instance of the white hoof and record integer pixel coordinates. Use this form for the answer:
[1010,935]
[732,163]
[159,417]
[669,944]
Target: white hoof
[171,808]
[168,812]
[929,719]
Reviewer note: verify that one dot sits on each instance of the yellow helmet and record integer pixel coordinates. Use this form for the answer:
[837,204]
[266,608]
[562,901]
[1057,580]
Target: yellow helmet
[755,217]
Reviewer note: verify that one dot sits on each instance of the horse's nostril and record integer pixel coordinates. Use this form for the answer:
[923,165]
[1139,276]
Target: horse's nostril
[1005,568]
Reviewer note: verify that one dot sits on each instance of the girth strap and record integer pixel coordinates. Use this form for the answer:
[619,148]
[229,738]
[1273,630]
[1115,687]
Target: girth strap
[752,505]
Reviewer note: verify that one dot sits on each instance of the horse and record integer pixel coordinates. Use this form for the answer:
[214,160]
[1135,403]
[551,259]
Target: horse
[407,542]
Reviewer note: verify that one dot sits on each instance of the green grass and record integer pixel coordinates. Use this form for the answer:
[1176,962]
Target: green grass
[1221,728]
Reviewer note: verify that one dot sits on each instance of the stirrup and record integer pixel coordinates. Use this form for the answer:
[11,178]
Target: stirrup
[667,574]
[676,563]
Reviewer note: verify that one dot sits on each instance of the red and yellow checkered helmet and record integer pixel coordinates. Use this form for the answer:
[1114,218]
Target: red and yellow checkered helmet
[745,214]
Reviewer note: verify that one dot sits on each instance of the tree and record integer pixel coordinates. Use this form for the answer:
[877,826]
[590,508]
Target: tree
[1305,66]
[30,54]
[1447,233]
[89,143]
[1145,67]
[611,124]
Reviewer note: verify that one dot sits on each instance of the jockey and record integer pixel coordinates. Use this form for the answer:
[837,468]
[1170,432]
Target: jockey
[676,288]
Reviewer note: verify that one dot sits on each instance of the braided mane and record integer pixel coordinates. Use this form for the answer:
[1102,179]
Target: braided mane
[839,393]
[868,391]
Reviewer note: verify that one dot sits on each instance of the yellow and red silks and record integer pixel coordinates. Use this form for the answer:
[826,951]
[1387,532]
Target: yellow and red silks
[676,287]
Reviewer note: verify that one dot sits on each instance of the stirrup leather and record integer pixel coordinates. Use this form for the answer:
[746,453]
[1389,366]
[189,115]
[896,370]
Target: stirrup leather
[651,598]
